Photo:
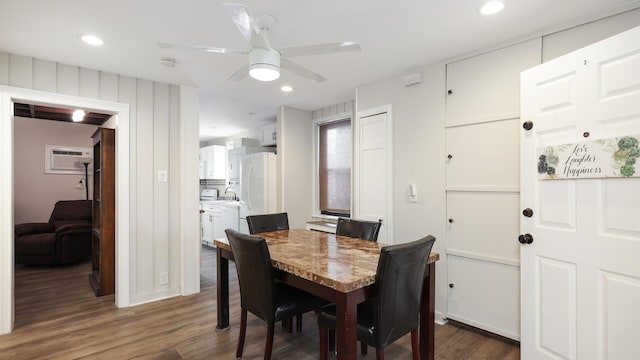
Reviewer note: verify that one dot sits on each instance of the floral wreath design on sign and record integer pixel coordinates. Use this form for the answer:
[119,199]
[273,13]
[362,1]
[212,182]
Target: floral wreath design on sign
[626,155]
[603,158]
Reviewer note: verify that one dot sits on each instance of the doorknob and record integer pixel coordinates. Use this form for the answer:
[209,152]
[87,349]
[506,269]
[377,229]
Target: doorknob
[527,212]
[527,125]
[525,239]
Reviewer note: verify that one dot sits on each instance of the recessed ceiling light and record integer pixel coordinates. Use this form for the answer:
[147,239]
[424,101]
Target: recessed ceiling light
[78,115]
[492,7]
[286,88]
[91,40]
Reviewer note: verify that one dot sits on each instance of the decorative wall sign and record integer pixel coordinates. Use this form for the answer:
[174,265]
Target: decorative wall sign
[603,158]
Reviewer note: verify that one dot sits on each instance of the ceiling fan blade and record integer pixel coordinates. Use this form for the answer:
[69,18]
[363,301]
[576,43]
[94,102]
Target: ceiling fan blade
[210,49]
[240,16]
[240,74]
[330,48]
[301,71]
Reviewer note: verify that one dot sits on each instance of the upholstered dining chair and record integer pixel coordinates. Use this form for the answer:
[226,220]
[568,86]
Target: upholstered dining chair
[260,293]
[365,230]
[268,222]
[395,308]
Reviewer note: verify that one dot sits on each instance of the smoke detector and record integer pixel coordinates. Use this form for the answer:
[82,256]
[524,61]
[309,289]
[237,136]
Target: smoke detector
[168,62]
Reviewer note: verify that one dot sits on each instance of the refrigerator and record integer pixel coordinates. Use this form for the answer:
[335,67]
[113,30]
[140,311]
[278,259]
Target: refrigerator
[257,187]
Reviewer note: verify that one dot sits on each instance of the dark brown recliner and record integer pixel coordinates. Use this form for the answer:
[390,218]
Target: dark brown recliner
[65,239]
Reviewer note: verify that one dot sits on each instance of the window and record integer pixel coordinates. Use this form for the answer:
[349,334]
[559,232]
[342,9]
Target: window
[334,167]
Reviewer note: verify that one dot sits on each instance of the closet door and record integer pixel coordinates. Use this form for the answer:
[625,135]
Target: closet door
[483,192]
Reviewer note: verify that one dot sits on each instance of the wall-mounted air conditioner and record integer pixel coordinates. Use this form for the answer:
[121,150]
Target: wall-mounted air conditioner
[66,159]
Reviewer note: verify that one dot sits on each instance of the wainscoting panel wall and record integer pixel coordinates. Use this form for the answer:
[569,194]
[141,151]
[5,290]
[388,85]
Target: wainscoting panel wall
[154,145]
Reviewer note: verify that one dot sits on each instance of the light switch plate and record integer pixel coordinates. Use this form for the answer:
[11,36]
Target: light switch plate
[163,176]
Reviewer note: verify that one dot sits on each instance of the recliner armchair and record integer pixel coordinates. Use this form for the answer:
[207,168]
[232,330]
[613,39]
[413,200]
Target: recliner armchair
[65,239]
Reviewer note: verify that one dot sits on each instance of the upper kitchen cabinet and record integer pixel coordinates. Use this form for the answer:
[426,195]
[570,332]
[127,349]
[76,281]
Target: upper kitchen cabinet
[213,159]
[487,87]
[269,135]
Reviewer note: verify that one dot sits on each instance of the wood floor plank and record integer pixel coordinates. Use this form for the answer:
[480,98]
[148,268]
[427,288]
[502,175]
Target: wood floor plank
[58,317]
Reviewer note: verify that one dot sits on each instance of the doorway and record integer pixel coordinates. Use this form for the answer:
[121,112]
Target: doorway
[120,122]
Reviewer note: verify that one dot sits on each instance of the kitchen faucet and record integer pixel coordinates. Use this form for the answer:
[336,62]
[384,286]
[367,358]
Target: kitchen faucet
[235,196]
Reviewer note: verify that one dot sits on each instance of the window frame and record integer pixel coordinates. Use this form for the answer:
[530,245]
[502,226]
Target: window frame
[316,162]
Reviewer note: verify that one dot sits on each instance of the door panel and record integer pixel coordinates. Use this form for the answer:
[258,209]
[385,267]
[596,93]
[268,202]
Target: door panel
[486,87]
[587,237]
[483,156]
[374,169]
[490,285]
[484,224]
[557,295]
[620,299]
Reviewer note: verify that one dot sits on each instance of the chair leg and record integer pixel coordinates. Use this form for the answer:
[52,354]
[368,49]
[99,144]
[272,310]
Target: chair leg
[269,345]
[414,345]
[243,330]
[290,325]
[299,323]
[363,348]
[332,340]
[379,354]
[323,343]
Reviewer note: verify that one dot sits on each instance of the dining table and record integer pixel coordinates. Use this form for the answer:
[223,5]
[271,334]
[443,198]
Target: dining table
[339,269]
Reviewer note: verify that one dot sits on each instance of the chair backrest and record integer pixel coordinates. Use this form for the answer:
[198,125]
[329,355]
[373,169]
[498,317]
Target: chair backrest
[398,292]
[267,222]
[71,212]
[255,274]
[365,230]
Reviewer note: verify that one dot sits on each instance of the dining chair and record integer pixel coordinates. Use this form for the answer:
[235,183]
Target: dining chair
[365,230]
[268,222]
[260,293]
[395,308]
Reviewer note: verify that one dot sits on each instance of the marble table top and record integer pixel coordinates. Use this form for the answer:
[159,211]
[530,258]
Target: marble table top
[338,262]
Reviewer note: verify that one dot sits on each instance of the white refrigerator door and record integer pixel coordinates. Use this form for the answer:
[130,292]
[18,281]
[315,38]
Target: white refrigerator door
[254,186]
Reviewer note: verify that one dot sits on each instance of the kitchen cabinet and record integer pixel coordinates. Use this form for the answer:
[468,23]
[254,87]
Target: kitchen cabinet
[216,218]
[213,159]
[234,167]
[269,135]
[207,228]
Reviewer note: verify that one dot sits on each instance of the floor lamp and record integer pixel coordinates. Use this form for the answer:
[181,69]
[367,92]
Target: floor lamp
[86,177]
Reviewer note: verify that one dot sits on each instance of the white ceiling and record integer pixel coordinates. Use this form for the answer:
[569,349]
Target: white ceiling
[395,36]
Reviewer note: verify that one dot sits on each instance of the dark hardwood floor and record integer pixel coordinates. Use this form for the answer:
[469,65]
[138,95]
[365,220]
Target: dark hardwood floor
[58,317]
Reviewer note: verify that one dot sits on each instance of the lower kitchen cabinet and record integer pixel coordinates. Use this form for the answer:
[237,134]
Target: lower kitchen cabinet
[215,219]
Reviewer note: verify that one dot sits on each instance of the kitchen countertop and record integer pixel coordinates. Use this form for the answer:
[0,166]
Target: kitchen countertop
[229,203]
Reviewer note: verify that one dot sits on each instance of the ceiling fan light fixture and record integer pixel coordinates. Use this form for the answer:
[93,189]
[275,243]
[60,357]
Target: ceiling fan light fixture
[264,72]
[264,64]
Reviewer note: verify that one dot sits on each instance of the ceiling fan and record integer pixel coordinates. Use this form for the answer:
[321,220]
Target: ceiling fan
[265,62]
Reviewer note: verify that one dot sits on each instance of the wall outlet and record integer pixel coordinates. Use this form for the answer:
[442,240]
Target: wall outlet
[164,278]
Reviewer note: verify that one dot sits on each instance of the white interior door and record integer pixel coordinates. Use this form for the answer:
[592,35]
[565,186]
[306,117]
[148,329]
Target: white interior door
[581,274]
[374,177]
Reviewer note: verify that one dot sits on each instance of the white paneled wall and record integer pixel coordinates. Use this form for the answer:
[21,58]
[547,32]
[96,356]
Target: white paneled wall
[154,235]
[340,108]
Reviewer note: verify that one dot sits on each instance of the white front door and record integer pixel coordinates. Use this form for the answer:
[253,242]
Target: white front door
[580,284]
[374,170]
